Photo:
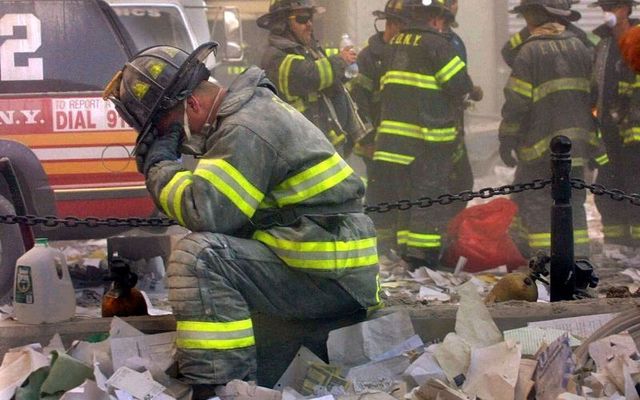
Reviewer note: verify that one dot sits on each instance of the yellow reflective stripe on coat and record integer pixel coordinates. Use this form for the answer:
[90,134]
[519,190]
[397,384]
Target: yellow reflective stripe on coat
[540,148]
[426,241]
[417,132]
[521,87]
[284,74]
[515,40]
[230,182]
[409,79]
[402,237]
[450,70]
[602,160]
[313,181]
[559,85]
[631,135]
[543,240]
[171,195]
[326,73]
[215,335]
[615,231]
[635,231]
[392,158]
[624,88]
[326,256]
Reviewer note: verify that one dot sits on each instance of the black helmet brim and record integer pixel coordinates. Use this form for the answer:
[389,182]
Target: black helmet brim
[266,21]
[178,84]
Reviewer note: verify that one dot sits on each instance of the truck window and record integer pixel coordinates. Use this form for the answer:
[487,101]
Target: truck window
[157,25]
[56,46]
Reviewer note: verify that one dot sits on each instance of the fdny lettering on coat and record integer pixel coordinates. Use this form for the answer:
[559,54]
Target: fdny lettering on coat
[407,39]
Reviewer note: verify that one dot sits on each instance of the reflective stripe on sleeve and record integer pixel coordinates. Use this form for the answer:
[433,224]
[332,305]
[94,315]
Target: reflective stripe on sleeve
[635,231]
[393,158]
[417,132]
[326,73]
[521,87]
[313,181]
[409,79]
[284,74]
[614,231]
[214,335]
[631,135]
[603,160]
[450,70]
[403,237]
[558,85]
[325,256]
[230,182]
[515,40]
[171,195]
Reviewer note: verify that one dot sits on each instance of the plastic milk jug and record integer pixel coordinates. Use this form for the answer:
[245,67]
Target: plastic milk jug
[43,292]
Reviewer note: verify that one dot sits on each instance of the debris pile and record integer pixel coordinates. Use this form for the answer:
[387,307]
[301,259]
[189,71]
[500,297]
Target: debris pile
[380,359]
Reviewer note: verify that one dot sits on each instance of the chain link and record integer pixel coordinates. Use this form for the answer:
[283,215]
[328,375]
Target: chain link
[402,205]
[600,190]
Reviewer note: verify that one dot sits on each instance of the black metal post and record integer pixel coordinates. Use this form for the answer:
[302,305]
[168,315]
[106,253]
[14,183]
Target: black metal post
[9,174]
[562,255]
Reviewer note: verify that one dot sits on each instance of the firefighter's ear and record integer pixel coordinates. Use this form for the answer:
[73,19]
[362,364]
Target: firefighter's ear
[194,103]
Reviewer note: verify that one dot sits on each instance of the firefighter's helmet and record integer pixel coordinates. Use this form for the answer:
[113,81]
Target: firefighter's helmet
[394,9]
[558,8]
[605,3]
[410,6]
[281,8]
[154,81]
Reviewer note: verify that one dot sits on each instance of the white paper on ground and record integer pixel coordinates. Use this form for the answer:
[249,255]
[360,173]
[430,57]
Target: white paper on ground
[531,339]
[607,348]
[121,329]
[525,379]
[582,327]
[89,390]
[555,364]
[137,384]
[425,368]
[410,344]
[493,371]
[429,294]
[293,376]
[158,348]
[474,323]
[378,375]
[359,344]
[16,367]
[453,355]
[90,353]
[55,344]
[151,310]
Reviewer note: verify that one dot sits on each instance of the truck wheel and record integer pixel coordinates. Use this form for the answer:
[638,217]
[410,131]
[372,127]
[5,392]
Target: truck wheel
[11,247]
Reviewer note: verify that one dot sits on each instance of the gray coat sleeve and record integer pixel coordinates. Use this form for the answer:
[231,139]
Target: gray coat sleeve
[225,189]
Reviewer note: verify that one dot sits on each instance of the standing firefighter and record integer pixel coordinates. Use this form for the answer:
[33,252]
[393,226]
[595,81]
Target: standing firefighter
[305,77]
[548,94]
[270,202]
[511,48]
[618,111]
[423,81]
[365,89]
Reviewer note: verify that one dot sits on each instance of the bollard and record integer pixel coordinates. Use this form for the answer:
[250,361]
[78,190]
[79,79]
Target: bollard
[562,257]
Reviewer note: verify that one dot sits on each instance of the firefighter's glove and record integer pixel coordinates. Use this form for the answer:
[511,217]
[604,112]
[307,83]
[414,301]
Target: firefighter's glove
[165,147]
[477,94]
[143,149]
[507,150]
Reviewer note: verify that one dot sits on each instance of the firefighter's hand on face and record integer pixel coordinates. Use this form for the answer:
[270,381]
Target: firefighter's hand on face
[507,151]
[159,147]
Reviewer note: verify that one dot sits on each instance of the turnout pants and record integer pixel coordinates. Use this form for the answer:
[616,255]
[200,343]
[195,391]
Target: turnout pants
[418,232]
[215,282]
[620,220]
[533,224]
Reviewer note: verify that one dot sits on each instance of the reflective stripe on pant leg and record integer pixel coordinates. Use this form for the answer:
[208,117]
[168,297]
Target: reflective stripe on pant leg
[215,342]
[615,231]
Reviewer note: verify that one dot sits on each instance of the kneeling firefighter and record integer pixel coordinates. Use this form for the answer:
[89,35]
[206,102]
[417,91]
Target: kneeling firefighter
[270,204]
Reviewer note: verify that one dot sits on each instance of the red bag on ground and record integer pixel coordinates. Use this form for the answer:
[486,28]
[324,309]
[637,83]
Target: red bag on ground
[481,235]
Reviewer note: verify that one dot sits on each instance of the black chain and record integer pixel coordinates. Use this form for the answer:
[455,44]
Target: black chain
[402,205]
[599,190]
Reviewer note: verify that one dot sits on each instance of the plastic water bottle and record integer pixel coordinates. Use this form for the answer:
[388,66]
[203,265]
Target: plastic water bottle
[346,43]
[43,292]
